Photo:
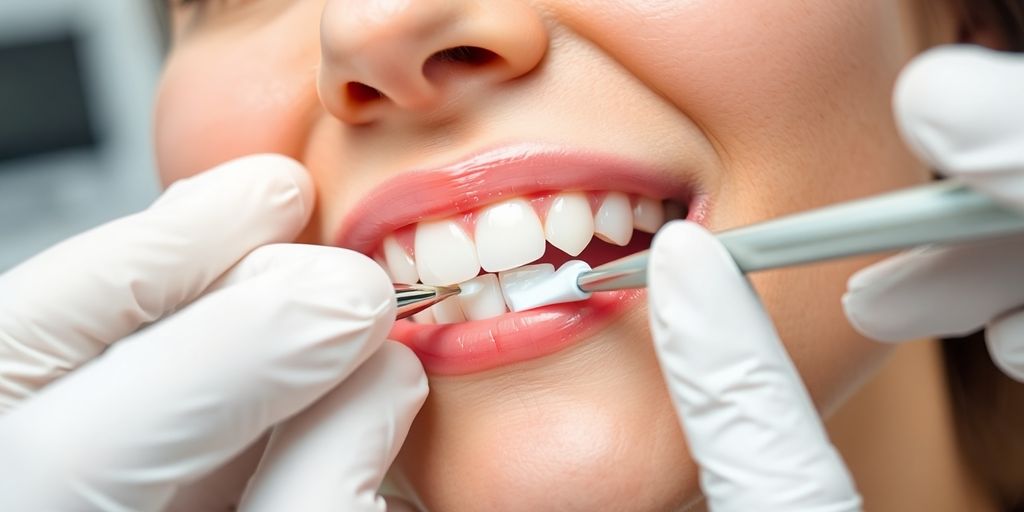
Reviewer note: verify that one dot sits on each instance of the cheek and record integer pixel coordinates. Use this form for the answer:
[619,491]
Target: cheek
[795,97]
[217,102]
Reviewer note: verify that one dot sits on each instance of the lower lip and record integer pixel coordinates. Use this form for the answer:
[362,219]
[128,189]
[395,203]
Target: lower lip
[469,347]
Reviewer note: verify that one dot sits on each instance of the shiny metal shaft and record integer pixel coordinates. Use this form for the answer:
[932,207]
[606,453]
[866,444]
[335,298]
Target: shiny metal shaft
[938,213]
[413,298]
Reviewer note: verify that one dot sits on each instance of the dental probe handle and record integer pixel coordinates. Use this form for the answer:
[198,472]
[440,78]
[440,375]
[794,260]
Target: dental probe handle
[938,213]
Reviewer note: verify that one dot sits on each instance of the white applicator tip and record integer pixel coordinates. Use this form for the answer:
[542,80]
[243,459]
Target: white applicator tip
[535,290]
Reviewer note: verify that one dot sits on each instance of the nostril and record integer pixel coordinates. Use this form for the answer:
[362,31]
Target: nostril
[470,55]
[458,60]
[362,93]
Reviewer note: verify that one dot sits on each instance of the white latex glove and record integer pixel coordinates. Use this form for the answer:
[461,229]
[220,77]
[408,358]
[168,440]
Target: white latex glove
[140,357]
[749,421]
[962,109]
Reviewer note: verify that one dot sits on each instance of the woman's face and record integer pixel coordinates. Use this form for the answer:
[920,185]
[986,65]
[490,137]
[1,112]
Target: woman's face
[737,110]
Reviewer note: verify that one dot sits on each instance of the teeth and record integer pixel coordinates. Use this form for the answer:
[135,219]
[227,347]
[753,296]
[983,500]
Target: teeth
[400,264]
[613,222]
[384,265]
[570,223]
[447,312]
[648,214]
[425,317]
[481,297]
[514,281]
[545,288]
[508,235]
[444,253]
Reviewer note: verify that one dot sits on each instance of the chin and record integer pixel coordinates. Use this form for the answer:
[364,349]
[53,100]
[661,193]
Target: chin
[588,428]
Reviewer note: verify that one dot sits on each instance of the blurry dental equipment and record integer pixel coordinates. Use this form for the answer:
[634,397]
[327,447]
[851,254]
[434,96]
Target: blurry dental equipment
[143,363]
[748,419]
[938,213]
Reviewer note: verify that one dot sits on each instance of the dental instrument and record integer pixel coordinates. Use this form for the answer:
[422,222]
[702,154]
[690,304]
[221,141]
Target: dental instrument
[413,298]
[939,213]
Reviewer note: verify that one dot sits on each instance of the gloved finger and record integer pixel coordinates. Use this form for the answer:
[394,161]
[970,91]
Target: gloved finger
[63,307]
[960,108]
[333,455]
[222,488]
[1005,339]
[749,421]
[930,291]
[182,397]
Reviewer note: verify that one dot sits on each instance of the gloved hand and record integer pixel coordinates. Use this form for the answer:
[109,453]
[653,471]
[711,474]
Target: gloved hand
[749,421]
[138,361]
[962,109]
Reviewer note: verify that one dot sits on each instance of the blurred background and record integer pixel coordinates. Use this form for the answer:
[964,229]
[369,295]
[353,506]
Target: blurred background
[77,81]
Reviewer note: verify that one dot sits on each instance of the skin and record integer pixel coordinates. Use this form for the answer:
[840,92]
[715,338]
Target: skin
[776,106]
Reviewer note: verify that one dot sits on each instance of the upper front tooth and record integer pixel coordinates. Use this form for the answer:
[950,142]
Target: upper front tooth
[570,223]
[384,264]
[613,222]
[648,214]
[400,263]
[508,235]
[444,253]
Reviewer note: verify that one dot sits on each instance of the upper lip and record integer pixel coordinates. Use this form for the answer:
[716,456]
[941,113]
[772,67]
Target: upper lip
[496,174]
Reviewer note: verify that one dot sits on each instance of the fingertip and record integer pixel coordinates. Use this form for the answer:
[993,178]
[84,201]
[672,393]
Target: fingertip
[372,280]
[398,364]
[858,314]
[682,247]
[283,173]
[1005,339]
[874,296]
[954,98]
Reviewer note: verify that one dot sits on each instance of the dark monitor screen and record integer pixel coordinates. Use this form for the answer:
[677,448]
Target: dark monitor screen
[43,104]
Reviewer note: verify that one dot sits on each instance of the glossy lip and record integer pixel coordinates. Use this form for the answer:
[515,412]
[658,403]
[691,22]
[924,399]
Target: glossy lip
[488,177]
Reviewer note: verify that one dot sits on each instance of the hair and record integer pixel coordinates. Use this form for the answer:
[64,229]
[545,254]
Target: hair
[1005,16]
[987,405]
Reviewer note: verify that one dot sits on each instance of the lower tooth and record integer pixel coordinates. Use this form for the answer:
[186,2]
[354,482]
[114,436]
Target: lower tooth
[481,298]
[425,317]
[522,278]
[448,312]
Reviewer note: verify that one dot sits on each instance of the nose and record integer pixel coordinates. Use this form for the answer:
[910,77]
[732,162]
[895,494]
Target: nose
[379,56]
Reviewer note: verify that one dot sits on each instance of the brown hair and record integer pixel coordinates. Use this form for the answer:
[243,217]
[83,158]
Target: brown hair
[988,406]
[1006,16]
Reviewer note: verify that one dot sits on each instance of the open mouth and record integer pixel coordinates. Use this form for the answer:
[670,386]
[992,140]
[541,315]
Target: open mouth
[499,220]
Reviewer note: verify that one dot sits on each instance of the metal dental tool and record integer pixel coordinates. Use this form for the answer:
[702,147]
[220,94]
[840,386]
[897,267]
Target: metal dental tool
[413,298]
[943,212]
